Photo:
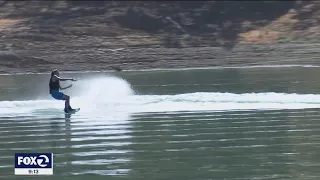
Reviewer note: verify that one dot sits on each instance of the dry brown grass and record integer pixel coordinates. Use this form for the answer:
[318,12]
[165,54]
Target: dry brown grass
[273,31]
[259,36]
[8,23]
[284,27]
[131,41]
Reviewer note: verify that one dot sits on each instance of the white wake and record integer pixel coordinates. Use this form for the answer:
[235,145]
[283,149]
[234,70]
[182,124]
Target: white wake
[113,94]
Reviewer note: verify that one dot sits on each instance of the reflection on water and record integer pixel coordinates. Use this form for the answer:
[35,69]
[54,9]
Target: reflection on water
[226,145]
[197,145]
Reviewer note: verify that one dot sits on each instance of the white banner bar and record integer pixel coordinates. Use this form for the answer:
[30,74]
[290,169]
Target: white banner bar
[39,171]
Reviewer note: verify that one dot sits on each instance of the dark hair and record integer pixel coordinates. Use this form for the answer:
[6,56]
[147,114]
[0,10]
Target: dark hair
[52,73]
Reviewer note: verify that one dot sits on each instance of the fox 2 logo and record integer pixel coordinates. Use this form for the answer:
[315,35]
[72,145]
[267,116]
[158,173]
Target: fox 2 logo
[33,160]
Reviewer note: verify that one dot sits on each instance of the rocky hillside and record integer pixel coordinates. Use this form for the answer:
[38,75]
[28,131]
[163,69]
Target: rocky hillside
[144,23]
[44,32]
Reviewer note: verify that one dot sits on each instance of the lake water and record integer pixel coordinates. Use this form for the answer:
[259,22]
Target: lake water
[231,124]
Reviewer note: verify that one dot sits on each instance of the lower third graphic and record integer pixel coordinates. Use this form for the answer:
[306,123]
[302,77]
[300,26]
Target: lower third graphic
[33,164]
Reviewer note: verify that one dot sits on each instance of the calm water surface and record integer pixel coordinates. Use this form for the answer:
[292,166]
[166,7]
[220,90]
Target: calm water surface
[255,123]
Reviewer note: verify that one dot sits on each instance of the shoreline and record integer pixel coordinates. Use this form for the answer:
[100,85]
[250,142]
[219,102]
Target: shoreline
[174,69]
[91,59]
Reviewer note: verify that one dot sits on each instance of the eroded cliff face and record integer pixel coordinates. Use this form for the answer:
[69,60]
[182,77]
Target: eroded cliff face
[40,35]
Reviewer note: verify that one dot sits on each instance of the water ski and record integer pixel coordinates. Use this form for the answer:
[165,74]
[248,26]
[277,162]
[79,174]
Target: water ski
[73,111]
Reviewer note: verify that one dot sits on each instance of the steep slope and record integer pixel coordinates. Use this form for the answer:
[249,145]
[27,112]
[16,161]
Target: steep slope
[44,34]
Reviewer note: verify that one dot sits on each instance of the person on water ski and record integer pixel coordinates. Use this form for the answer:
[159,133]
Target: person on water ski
[54,86]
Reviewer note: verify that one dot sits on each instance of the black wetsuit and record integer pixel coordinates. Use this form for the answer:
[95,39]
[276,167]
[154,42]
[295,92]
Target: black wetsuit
[54,85]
